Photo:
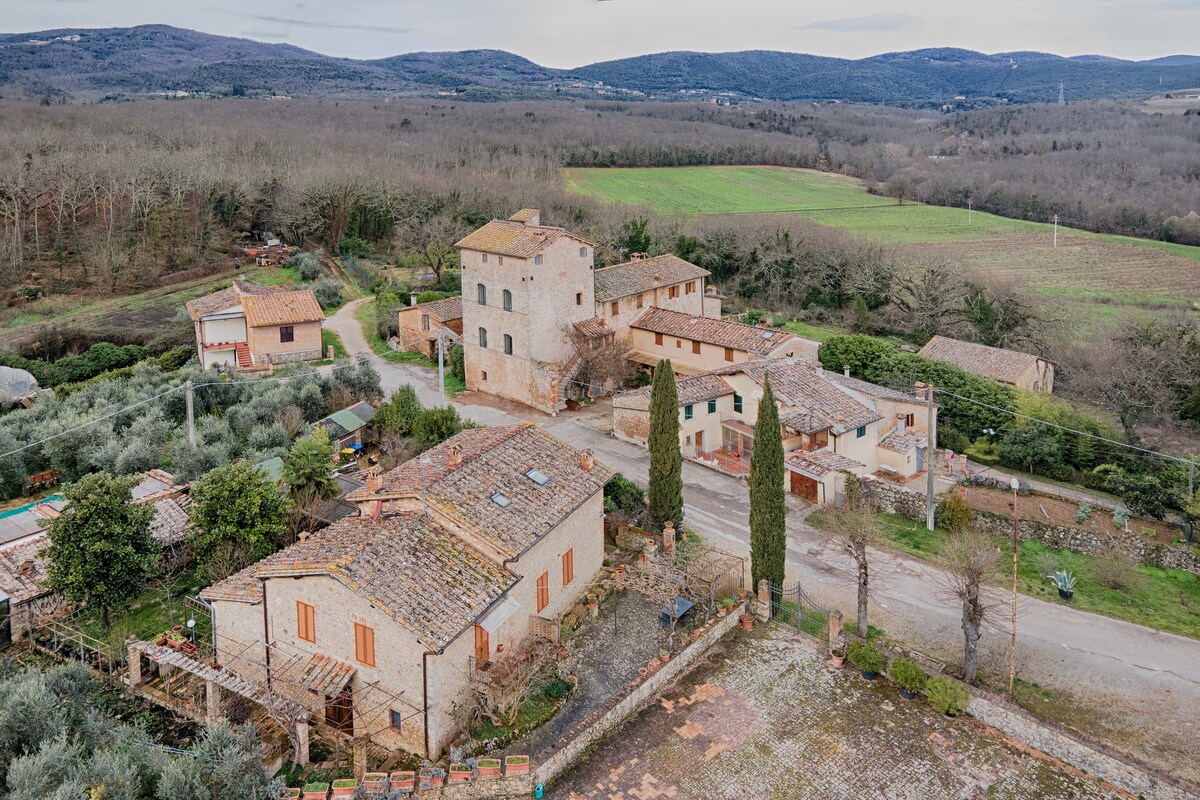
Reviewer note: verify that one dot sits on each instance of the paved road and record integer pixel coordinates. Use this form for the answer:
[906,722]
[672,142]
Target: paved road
[1145,679]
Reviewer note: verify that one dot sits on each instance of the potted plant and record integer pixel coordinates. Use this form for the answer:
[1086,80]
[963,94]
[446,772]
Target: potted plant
[316,791]
[402,781]
[459,773]
[291,794]
[488,767]
[1065,582]
[747,621]
[743,593]
[514,765]
[947,696]
[344,787]
[838,656]
[908,676]
[664,655]
[869,661]
[432,778]
[373,782]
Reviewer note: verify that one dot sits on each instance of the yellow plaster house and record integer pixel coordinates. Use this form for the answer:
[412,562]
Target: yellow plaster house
[253,327]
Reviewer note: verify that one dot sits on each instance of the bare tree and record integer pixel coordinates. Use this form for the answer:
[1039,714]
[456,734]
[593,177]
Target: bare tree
[970,559]
[511,679]
[432,239]
[855,531]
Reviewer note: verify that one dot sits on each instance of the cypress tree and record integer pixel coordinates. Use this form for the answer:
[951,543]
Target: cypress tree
[768,515]
[666,459]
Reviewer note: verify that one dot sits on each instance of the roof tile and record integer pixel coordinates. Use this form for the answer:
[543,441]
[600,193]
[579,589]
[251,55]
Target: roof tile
[719,332]
[1005,366]
[634,277]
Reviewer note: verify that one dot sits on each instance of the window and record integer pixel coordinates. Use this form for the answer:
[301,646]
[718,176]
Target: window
[688,412]
[658,339]
[641,300]
[396,719]
[537,260]
[501,499]
[712,406]
[583,252]
[678,344]
[737,403]
[729,354]
[910,420]
[507,345]
[424,322]
[483,338]
[672,291]
[579,298]
[860,432]
[483,375]
[364,644]
[500,260]
[616,309]
[695,348]
[543,591]
[689,287]
[538,477]
[481,293]
[568,567]
[485,258]
[306,622]
[507,300]
[287,334]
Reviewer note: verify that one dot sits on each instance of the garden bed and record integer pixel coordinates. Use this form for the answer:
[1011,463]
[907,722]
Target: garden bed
[1062,513]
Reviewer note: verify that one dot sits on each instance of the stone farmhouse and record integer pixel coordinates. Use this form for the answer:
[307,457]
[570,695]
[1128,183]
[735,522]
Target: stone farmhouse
[380,623]
[832,424]
[419,325]
[251,327]
[533,302]
[1023,370]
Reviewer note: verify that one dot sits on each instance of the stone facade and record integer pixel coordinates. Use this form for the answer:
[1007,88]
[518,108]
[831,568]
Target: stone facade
[266,347]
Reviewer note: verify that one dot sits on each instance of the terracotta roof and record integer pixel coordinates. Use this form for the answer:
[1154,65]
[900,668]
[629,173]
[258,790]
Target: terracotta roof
[901,442]
[719,332]
[516,239]
[695,389]
[1005,366]
[19,587]
[444,310]
[171,522]
[632,277]
[282,308]
[490,492]
[229,296]
[526,214]
[424,576]
[324,676]
[594,328]
[870,389]
[819,463]
[811,401]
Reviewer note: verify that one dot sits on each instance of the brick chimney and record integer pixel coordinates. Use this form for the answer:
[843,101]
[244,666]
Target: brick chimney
[586,461]
[374,479]
[901,423]
[846,370]
[635,256]
[668,538]
[657,278]
[25,570]
[303,535]
[920,387]
[454,455]
[412,298]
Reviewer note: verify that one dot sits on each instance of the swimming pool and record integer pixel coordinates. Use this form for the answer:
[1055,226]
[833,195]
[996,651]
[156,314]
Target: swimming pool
[12,512]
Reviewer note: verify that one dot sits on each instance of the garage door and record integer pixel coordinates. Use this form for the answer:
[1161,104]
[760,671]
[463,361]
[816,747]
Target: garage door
[804,486]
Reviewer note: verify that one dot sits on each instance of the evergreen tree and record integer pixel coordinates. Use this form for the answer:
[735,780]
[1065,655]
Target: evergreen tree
[768,514]
[101,551]
[307,471]
[398,416]
[239,517]
[666,459]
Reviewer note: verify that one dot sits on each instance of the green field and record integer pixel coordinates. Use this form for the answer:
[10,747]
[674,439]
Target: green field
[1097,278]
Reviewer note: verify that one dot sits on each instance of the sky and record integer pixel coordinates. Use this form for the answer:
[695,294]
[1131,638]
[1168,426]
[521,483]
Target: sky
[570,33]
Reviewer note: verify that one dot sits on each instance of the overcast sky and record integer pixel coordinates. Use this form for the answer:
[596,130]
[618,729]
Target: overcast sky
[569,33]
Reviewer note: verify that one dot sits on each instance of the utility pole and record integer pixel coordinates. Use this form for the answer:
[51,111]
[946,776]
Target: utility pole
[1012,650]
[969,212]
[930,454]
[1056,231]
[441,368]
[191,415]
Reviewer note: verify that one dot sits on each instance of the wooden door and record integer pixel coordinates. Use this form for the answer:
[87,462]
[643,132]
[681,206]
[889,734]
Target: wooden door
[804,486]
[483,649]
[339,712]
[699,441]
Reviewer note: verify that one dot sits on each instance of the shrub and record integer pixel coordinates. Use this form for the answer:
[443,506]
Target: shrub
[1145,494]
[307,264]
[984,452]
[354,246]
[328,293]
[948,696]
[1082,515]
[1114,570]
[1120,518]
[1104,477]
[430,296]
[907,674]
[865,656]
[458,367]
[953,439]
[556,689]
[953,513]
[624,496]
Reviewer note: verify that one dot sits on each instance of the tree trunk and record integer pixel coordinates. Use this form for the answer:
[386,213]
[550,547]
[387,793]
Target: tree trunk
[970,643]
[863,630]
[104,617]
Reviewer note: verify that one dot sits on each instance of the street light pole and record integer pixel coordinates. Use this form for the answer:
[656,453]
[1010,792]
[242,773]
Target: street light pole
[1012,651]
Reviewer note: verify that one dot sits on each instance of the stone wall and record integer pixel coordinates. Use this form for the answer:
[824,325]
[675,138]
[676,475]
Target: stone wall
[1087,756]
[480,788]
[889,498]
[626,703]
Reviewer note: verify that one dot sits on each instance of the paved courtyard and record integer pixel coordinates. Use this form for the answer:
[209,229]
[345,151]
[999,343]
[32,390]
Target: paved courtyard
[765,717]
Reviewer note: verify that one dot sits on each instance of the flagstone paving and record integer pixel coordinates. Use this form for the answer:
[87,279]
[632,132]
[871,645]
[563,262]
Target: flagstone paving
[765,717]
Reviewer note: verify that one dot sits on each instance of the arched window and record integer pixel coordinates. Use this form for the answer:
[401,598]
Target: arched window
[583,252]
[482,291]
[507,300]
[483,337]
[507,345]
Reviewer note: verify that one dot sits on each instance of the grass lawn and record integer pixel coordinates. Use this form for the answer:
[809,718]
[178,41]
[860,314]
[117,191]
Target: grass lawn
[365,314]
[536,710]
[1165,599]
[330,338]
[156,610]
[279,276]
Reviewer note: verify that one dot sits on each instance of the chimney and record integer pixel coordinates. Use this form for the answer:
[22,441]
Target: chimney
[454,455]
[374,479]
[635,256]
[303,535]
[846,370]
[412,298]
[586,461]
[26,568]
[920,387]
[901,423]
[657,278]
[668,538]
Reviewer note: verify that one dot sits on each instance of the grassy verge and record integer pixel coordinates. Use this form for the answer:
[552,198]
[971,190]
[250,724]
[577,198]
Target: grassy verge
[365,314]
[1165,599]
[154,611]
[330,338]
[541,705]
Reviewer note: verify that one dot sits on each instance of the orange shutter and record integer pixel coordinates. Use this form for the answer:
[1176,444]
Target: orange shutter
[568,567]
[543,590]
[364,644]
[306,622]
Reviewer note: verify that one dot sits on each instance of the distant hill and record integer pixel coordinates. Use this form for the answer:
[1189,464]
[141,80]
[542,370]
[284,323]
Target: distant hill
[150,60]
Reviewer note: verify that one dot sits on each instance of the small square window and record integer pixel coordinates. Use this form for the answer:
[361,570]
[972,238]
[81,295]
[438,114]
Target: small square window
[287,334]
[538,477]
[396,720]
[641,299]
[737,403]
[658,339]
[537,260]
[678,344]
[729,354]
[695,348]
[615,308]
[861,432]
[424,322]
[579,298]
[485,258]
[500,499]
[688,412]
[500,260]
[483,375]
[712,406]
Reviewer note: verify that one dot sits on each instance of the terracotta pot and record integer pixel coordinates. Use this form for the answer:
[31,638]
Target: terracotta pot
[402,781]
[489,767]
[514,765]
[837,656]
[747,621]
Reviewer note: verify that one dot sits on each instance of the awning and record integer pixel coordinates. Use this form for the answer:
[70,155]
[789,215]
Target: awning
[499,615]
[320,674]
[739,426]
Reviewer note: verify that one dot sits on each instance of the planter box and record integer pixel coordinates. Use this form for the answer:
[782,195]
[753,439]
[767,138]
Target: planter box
[516,765]
[291,794]
[432,778]
[404,781]
[316,791]
[374,782]
[345,787]
[489,767]
[459,773]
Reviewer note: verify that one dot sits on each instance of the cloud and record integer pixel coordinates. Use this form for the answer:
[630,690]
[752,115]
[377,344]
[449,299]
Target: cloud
[871,22]
[341,26]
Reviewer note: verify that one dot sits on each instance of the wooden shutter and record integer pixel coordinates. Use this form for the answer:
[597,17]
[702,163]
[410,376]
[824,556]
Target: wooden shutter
[568,567]
[306,622]
[543,590]
[696,347]
[364,644]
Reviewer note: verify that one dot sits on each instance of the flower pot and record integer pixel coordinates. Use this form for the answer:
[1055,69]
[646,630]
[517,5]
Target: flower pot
[516,765]
[869,675]
[291,794]
[177,628]
[665,657]
[374,782]
[402,781]
[907,695]
[837,656]
[459,773]
[188,649]
[344,787]
[489,767]
[316,791]
[1066,594]
[747,621]
[431,778]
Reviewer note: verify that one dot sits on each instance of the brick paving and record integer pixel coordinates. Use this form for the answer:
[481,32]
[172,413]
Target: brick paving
[765,717]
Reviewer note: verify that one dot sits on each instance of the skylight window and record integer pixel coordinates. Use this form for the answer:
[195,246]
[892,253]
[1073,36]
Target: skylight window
[538,477]
[501,500]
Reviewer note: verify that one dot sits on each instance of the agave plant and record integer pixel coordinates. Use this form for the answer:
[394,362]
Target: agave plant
[1064,580]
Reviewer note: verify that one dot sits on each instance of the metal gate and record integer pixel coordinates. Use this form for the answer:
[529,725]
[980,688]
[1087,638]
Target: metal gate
[792,608]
